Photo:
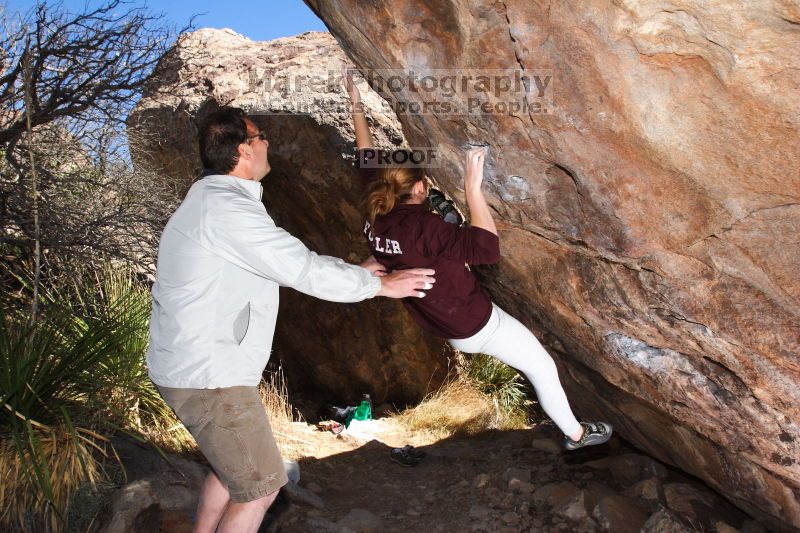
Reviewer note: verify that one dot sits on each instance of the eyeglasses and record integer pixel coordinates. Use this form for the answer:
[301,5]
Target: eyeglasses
[262,135]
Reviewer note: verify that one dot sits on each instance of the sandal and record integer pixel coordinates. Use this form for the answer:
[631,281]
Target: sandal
[403,458]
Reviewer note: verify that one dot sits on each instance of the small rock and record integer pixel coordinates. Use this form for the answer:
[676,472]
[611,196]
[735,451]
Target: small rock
[493,494]
[595,492]
[480,526]
[523,474]
[362,521]
[413,512]
[647,489]
[299,495]
[176,521]
[723,527]
[555,494]
[313,487]
[619,514]
[545,468]
[322,525]
[430,497]
[663,521]
[510,518]
[481,480]
[628,468]
[522,487]
[145,503]
[278,517]
[575,509]
[546,445]
[478,512]
[505,502]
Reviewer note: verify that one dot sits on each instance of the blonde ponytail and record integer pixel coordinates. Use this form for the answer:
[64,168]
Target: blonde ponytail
[392,186]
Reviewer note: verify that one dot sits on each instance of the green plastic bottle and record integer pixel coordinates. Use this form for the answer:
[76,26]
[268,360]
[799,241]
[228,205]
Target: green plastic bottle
[364,409]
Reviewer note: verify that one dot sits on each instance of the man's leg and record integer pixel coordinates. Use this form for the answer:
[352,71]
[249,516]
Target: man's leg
[232,430]
[246,517]
[214,498]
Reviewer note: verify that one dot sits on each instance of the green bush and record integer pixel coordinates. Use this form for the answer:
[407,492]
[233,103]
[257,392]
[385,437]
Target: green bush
[67,381]
[498,381]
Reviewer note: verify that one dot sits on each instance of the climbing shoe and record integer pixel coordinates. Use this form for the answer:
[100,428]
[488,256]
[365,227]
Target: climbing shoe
[593,433]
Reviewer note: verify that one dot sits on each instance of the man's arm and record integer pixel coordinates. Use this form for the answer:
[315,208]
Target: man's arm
[246,236]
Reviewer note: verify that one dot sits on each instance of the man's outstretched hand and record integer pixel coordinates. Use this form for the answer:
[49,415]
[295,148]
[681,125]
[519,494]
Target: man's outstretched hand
[407,283]
[375,268]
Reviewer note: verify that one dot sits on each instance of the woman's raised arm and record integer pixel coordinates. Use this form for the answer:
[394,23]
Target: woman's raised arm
[479,213]
[363,135]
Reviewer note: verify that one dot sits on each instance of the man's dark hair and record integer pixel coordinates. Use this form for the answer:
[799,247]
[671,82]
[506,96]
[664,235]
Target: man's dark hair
[220,136]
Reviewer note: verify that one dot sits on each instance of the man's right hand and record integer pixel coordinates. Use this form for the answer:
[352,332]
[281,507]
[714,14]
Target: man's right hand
[407,283]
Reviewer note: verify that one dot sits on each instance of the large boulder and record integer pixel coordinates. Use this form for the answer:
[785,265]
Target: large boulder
[292,89]
[649,206]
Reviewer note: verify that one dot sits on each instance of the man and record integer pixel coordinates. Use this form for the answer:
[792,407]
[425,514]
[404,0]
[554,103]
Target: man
[221,260]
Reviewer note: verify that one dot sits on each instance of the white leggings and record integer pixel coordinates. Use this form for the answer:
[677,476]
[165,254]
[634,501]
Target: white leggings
[505,338]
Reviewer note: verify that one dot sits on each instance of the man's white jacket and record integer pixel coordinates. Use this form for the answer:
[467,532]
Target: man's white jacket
[221,260]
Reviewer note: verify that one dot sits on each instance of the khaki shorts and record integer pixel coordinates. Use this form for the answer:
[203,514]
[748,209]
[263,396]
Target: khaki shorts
[232,430]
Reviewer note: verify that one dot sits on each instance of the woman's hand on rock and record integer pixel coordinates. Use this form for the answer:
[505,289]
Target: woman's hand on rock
[350,86]
[473,176]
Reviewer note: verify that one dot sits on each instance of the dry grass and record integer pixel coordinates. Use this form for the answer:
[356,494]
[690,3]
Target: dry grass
[71,462]
[168,433]
[458,407]
[291,433]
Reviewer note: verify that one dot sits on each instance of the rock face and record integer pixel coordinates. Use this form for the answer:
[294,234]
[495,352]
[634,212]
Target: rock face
[291,87]
[649,219]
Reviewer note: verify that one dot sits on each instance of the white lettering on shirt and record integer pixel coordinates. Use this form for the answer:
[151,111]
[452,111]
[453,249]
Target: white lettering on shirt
[391,247]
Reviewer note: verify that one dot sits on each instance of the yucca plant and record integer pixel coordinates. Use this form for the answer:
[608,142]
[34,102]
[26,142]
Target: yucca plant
[68,380]
[48,379]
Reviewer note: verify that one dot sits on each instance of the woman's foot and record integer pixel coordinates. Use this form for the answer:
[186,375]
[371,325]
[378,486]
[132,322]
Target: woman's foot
[593,433]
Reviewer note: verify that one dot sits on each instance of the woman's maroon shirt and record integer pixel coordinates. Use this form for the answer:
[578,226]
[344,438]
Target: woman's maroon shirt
[410,236]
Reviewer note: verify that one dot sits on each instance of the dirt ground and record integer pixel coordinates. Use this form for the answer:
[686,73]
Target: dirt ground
[517,480]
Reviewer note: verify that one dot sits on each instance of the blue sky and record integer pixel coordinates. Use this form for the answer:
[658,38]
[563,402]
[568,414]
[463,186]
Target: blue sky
[259,20]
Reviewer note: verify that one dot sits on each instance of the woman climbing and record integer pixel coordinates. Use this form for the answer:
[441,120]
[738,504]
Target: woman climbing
[403,233]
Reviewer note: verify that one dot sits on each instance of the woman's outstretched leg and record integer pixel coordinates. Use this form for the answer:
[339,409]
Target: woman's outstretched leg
[507,339]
